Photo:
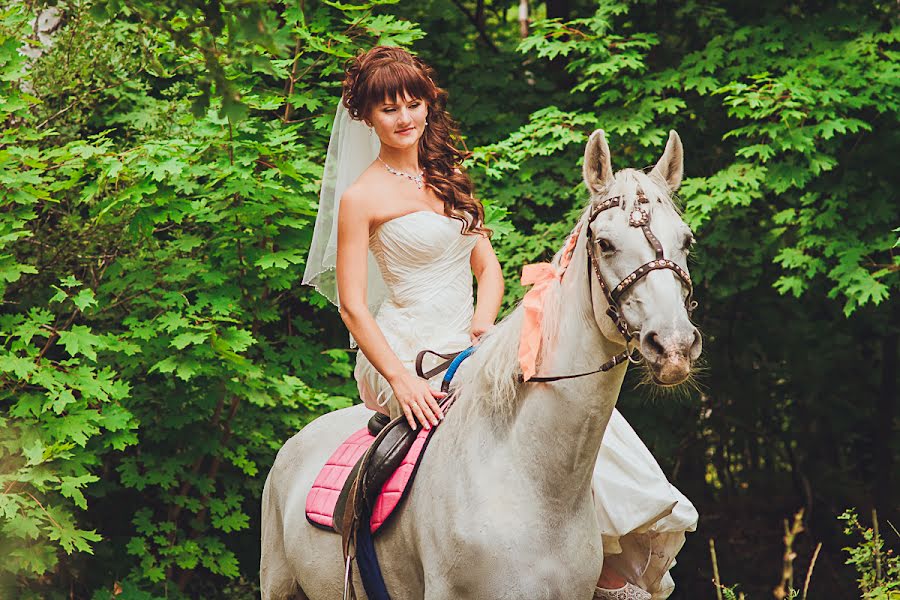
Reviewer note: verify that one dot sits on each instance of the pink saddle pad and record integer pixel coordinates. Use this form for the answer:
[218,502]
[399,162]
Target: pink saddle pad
[331,479]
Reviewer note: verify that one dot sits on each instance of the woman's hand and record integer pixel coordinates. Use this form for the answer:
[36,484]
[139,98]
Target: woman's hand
[477,330]
[417,400]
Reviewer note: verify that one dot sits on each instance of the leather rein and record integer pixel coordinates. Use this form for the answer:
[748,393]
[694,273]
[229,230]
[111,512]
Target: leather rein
[639,217]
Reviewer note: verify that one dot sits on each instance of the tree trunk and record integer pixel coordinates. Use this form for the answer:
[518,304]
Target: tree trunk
[523,18]
[558,9]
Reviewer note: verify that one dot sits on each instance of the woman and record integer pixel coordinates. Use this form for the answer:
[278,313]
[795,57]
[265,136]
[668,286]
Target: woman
[407,238]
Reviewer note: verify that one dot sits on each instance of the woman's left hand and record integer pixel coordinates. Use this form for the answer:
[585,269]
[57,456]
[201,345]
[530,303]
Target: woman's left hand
[477,330]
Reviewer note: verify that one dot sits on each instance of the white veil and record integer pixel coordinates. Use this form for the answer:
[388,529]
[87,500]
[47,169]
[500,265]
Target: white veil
[351,149]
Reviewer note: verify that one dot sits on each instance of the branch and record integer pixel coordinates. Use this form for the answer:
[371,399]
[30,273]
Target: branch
[481,32]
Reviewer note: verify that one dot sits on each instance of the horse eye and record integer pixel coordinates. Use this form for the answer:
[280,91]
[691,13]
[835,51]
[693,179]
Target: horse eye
[605,246]
[688,243]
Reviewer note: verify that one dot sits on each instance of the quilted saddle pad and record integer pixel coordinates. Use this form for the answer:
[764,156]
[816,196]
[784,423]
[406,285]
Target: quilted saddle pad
[333,477]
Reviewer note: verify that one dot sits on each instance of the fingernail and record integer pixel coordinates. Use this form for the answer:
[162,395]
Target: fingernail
[442,416]
[434,422]
[427,427]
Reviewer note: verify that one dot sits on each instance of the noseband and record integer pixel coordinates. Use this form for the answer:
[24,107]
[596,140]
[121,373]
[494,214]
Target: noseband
[639,217]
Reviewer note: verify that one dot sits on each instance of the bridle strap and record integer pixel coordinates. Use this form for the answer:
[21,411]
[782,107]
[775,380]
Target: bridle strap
[653,265]
[639,217]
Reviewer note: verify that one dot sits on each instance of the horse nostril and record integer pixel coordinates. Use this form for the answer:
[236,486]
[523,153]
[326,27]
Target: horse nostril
[696,346]
[650,344]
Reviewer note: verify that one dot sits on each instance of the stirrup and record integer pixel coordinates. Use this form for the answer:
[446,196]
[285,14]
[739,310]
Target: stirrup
[377,422]
[629,591]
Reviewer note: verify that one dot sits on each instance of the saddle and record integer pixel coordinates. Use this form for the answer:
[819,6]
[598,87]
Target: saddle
[382,469]
[369,476]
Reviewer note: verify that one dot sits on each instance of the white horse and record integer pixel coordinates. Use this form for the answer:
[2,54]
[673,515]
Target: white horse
[501,507]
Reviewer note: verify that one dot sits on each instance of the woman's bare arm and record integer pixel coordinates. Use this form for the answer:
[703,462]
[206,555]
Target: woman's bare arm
[415,397]
[352,255]
[487,272]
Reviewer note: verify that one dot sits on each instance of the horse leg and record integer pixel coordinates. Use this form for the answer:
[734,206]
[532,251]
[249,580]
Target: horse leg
[276,581]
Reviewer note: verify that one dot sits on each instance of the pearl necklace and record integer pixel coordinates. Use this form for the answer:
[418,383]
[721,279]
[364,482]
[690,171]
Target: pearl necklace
[417,179]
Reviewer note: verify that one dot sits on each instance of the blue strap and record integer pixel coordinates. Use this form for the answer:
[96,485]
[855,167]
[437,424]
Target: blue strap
[451,370]
[367,561]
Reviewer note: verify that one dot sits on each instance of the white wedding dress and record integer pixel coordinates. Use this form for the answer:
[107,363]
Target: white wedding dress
[424,261]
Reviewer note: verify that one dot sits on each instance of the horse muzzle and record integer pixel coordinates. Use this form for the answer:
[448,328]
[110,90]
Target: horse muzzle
[670,354]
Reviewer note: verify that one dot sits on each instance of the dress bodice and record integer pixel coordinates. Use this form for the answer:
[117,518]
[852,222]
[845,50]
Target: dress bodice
[424,260]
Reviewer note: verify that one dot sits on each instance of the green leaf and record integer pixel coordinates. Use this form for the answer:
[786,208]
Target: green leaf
[84,298]
[70,487]
[80,340]
[189,338]
[33,453]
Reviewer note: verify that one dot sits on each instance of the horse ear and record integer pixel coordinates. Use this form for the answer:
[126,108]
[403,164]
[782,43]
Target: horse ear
[597,167]
[670,167]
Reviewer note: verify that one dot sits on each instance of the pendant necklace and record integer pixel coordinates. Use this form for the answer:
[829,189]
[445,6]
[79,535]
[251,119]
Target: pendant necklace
[417,179]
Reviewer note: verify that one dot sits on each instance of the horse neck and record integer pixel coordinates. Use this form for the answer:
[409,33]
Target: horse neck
[554,434]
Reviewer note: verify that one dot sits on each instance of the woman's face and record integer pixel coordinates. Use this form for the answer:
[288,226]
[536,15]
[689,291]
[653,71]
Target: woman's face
[400,122]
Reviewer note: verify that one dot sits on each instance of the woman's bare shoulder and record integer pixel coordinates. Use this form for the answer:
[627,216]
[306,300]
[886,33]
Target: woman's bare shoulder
[370,194]
[357,195]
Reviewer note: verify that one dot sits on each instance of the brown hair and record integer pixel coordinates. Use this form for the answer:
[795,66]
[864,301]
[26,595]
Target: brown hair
[389,72]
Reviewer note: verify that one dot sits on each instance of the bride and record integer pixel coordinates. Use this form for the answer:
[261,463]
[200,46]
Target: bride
[398,238]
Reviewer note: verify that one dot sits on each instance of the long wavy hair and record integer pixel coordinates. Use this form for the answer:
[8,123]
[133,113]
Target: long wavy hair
[385,73]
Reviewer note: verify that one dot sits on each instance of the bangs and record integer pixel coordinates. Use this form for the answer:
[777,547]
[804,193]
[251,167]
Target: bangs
[394,81]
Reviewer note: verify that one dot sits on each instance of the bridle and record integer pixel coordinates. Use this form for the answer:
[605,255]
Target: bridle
[639,217]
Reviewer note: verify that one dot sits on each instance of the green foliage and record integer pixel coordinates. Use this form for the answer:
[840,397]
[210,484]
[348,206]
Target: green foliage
[155,326]
[878,568]
[160,172]
[63,410]
[787,126]
[793,127]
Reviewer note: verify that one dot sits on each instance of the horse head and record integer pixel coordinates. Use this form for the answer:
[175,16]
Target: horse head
[638,246]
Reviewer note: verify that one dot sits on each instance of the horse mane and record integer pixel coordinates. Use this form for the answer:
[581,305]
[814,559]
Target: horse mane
[488,379]
[487,382]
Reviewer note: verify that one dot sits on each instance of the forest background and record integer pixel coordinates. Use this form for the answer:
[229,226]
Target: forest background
[159,172]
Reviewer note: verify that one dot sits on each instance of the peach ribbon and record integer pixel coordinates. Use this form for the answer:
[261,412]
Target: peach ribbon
[541,276]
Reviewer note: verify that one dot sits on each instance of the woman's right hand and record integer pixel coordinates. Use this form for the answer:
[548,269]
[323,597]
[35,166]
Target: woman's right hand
[417,400]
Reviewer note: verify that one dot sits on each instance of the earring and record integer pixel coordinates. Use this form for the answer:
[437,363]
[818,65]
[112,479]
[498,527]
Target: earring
[426,122]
